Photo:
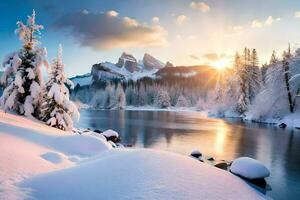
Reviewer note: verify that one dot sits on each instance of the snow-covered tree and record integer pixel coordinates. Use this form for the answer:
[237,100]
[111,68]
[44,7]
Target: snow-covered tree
[182,102]
[241,73]
[162,99]
[56,108]
[22,77]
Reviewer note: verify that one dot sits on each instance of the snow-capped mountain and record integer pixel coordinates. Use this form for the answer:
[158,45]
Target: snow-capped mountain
[127,68]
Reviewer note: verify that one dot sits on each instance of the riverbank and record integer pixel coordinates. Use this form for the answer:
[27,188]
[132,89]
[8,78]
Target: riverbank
[37,161]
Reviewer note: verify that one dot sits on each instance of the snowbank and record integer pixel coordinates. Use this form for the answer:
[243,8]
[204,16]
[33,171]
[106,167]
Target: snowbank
[140,174]
[28,148]
[291,120]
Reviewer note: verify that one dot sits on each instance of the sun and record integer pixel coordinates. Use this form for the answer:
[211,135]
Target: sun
[220,64]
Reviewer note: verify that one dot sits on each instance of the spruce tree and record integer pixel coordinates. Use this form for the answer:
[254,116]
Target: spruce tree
[22,77]
[56,108]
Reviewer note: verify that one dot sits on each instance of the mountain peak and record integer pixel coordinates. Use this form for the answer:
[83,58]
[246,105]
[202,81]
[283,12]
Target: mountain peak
[151,63]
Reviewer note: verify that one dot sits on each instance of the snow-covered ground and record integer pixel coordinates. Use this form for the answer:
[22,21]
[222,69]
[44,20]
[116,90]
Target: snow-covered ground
[40,162]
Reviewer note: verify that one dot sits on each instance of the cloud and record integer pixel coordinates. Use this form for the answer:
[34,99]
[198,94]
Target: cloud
[269,21]
[112,13]
[107,31]
[297,14]
[215,56]
[203,7]
[155,19]
[194,57]
[180,19]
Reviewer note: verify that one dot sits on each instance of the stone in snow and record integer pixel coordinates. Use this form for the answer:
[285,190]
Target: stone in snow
[196,153]
[249,168]
[110,133]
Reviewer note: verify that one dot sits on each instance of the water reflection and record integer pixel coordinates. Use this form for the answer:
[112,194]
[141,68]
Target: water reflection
[181,132]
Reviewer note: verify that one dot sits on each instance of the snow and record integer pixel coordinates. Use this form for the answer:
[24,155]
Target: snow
[110,133]
[291,120]
[249,168]
[53,157]
[41,162]
[152,176]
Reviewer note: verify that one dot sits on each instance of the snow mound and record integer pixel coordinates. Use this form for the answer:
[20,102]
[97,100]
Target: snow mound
[249,168]
[110,133]
[53,157]
[82,145]
[139,174]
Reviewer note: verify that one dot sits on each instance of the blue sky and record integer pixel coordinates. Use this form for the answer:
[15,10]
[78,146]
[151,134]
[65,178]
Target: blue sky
[181,31]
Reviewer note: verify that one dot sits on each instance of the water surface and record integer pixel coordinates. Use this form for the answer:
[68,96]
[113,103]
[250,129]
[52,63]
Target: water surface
[181,132]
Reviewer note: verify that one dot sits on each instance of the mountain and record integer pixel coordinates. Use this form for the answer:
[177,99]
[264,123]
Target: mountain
[127,68]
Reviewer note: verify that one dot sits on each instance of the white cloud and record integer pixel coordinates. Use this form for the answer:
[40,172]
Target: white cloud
[297,14]
[203,7]
[180,19]
[269,21]
[155,19]
[112,13]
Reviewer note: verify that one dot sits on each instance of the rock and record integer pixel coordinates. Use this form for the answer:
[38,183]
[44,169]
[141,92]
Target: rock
[129,62]
[111,135]
[210,159]
[169,64]
[249,168]
[97,131]
[222,165]
[260,182]
[282,125]
[151,63]
[196,153]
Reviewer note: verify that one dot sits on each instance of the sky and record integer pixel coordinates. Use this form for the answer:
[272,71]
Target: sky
[184,32]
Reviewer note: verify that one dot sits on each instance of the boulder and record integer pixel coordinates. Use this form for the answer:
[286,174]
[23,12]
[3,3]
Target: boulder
[222,165]
[249,168]
[210,159]
[282,125]
[97,131]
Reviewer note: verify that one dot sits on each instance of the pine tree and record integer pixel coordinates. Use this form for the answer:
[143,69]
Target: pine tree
[56,108]
[254,76]
[162,99]
[273,58]
[241,73]
[182,102]
[22,76]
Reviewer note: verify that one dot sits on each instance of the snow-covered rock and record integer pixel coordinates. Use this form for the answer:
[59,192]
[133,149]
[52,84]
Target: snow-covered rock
[139,174]
[249,168]
[110,133]
[196,153]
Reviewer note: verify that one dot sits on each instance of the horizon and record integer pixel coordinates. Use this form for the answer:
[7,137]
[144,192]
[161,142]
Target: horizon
[185,33]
